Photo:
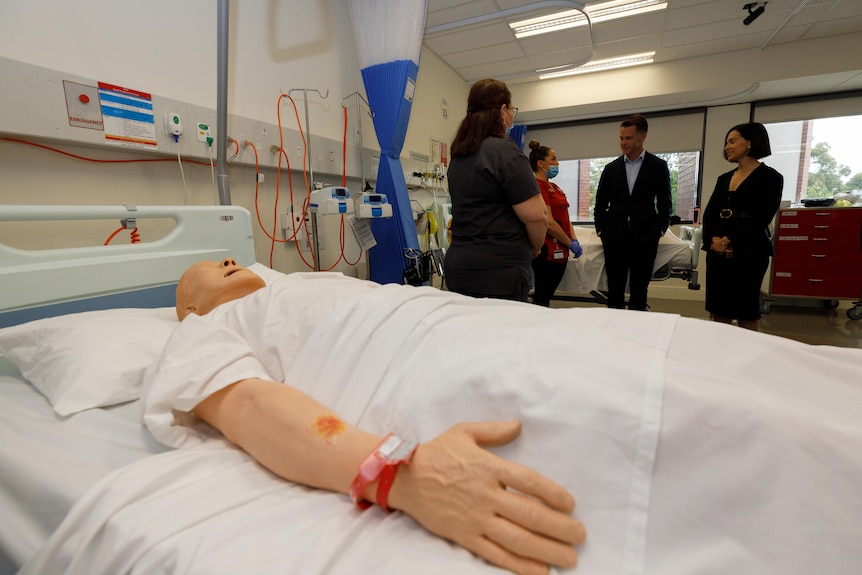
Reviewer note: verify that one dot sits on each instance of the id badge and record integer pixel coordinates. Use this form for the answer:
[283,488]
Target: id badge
[559,255]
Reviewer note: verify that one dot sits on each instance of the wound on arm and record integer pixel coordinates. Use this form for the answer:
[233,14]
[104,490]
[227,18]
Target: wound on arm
[328,427]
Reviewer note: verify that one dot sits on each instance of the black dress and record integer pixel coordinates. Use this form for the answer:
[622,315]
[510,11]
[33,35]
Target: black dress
[743,215]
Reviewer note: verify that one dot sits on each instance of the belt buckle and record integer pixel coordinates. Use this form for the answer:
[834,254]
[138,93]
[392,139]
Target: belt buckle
[725,213]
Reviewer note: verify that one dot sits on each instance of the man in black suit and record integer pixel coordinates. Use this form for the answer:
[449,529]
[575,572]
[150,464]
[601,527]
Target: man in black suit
[633,208]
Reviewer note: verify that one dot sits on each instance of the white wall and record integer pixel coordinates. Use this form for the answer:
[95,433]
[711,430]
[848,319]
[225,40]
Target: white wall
[168,48]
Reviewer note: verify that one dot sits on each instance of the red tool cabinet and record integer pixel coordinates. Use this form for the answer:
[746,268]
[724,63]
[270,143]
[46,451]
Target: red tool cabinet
[818,254]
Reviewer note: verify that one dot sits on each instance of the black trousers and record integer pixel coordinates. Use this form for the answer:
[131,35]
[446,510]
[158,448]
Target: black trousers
[546,277]
[629,262]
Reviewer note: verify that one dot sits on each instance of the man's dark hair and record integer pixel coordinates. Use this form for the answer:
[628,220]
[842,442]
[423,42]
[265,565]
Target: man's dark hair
[638,121]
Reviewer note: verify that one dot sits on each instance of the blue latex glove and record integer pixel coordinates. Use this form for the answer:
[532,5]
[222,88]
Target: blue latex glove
[576,249]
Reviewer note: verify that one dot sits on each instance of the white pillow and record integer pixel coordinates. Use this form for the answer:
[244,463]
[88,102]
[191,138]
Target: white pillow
[89,359]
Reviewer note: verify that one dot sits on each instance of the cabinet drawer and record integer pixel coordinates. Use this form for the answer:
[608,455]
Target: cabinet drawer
[813,216]
[791,232]
[840,253]
[831,286]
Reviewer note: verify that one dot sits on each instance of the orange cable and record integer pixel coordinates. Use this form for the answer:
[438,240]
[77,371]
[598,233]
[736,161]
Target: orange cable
[135,236]
[113,235]
[86,159]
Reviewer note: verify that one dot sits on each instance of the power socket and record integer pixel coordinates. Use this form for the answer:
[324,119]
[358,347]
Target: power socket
[203,132]
[290,223]
[173,125]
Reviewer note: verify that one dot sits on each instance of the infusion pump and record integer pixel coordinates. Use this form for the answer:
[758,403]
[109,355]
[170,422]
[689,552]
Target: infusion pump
[332,200]
[337,200]
[375,206]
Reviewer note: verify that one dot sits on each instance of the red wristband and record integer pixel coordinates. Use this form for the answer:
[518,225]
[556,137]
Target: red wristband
[382,464]
[384,484]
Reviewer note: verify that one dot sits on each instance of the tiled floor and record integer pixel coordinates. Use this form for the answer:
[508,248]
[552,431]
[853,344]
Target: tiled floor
[808,321]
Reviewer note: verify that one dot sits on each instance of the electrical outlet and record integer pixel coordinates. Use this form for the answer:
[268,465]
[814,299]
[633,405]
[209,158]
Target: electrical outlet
[204,133]
[290,223]
[287,223]
[173,125]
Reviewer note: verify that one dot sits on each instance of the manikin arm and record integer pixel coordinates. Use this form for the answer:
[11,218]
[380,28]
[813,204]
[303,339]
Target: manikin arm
[452,487]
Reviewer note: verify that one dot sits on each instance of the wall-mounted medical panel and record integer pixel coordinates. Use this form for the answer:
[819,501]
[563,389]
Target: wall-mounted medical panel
[40,103]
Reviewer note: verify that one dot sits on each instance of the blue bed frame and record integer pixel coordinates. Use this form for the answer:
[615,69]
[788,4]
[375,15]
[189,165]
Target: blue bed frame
[42,283]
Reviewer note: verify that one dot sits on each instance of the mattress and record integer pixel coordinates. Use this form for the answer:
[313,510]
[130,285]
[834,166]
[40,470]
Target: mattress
[50,461]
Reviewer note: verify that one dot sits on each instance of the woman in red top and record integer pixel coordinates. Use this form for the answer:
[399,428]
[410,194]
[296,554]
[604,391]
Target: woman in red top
[550,265]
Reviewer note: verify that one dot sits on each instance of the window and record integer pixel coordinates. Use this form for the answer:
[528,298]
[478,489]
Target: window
[579,179]
[675,136]
[818,158]
[813,144]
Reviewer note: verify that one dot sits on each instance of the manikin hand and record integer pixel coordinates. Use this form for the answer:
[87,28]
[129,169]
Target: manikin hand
[506,513]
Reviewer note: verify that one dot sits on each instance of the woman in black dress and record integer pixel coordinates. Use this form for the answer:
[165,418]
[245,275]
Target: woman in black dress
[735,227]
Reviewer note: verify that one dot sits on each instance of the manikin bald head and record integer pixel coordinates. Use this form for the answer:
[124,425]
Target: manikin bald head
[207,284]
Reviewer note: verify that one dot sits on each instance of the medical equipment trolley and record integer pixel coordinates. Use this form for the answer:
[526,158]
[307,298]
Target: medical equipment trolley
[818,254]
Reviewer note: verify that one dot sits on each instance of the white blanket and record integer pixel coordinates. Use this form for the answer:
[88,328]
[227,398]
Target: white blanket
[754,469]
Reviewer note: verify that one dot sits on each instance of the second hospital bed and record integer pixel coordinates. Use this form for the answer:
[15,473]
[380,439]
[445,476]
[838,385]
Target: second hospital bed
[585,278]
[683,457]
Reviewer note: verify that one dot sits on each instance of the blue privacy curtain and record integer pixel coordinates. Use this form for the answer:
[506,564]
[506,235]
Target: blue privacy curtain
[519,135]
[388,37]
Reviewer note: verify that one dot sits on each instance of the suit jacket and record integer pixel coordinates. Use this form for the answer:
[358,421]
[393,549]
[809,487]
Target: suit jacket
[645,213]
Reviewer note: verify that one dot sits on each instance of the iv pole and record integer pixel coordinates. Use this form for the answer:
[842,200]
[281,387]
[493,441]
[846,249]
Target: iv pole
[305,91]
[221,104]
[359,131]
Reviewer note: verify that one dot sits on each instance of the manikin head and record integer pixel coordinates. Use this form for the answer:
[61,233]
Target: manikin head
[207,284]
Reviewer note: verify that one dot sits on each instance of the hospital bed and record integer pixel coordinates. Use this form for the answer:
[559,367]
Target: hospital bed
[684,455]
[585,278]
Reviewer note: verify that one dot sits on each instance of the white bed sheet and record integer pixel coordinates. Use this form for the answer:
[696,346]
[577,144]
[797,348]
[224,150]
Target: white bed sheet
[756,467]
[49,461]
[587,273]
[417,361]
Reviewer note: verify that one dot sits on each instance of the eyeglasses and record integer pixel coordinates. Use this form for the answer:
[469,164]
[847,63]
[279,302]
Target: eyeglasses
[512,110]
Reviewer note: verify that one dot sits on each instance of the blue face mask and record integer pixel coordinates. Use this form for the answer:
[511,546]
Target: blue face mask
[508,131]
[552,172]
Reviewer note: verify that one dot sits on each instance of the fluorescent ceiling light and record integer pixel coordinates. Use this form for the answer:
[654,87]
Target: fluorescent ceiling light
[597,65]
[574,18]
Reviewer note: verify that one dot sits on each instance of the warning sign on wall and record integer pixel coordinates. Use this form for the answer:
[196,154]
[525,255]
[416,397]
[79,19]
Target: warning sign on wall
[128,116]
